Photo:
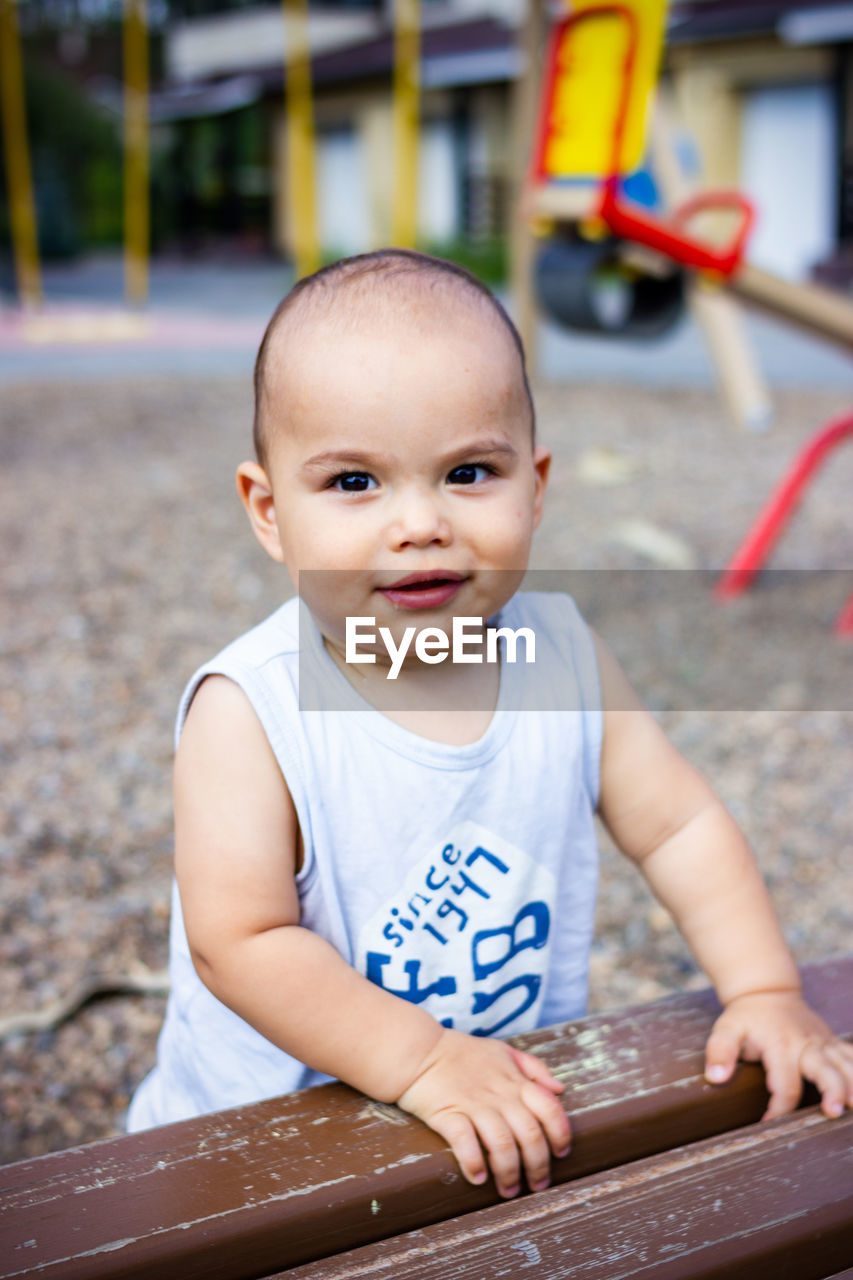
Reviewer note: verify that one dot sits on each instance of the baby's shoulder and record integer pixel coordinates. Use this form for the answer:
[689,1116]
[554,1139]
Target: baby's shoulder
[219,711]
[263,662]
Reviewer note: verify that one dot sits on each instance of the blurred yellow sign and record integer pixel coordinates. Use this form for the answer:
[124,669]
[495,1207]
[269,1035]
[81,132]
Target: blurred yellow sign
[594,62]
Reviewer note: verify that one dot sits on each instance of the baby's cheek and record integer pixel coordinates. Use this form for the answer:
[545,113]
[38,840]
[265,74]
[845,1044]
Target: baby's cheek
[512,536]
[522,519]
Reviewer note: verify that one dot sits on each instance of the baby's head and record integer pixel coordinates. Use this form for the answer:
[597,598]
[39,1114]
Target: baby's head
[396,285]
[394,433]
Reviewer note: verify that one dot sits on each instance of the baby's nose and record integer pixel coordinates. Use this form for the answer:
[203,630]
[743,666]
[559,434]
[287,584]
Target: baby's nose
[419,519]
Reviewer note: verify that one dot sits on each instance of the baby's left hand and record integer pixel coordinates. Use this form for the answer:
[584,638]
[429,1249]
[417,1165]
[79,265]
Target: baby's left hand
[778,1029]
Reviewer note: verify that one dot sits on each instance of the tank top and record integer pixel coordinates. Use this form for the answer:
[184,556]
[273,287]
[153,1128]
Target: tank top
[462,878]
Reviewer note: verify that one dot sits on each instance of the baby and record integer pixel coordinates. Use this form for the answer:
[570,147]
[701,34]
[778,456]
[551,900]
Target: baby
[373,882]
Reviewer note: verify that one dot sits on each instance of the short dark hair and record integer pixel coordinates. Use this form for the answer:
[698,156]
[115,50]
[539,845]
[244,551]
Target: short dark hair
[387,263]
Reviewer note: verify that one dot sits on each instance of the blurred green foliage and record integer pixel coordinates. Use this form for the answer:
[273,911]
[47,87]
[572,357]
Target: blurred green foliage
[486,258]
[75,157]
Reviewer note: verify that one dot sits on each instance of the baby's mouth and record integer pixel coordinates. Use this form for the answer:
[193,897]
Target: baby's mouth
[423,590]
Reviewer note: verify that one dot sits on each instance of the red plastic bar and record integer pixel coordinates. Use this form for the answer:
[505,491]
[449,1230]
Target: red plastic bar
[765,532]
[844,621]
[626,221]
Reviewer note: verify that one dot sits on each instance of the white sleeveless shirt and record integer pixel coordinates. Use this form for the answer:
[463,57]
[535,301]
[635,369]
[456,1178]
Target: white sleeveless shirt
[460,877]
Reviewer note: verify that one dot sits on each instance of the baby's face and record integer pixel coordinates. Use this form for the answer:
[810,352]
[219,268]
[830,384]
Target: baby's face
[402,467]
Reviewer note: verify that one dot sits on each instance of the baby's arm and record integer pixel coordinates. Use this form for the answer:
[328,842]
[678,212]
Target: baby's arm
[236,836]
[663,814]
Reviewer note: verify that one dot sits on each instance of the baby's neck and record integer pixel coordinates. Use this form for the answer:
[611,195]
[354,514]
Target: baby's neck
[449,703]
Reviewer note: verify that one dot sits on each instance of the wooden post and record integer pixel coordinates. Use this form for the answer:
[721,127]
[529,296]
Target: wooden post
[136,186]
[406,114]
[22,216]
[718,316]
[301,149]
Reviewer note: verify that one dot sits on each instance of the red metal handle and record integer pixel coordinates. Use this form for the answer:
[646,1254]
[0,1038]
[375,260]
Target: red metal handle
[707,201]
[631,223]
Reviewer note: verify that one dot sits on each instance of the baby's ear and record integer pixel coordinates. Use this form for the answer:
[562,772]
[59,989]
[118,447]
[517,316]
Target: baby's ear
[541,467]
[255,492]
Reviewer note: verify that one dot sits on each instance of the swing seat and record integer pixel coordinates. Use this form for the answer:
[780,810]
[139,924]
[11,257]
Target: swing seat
[586,286]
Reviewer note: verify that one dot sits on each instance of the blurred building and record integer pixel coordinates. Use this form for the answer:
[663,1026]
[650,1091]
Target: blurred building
[224,102]
[764,87]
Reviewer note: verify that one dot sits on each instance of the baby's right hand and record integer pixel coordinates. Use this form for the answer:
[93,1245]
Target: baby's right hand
[480,1093]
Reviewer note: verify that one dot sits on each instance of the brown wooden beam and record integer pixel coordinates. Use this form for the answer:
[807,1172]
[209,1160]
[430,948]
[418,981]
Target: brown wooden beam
[772,1200]
[812,307]
[253,1190]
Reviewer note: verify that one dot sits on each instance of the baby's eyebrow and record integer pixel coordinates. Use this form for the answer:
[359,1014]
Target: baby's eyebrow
[484,448]
[351,459]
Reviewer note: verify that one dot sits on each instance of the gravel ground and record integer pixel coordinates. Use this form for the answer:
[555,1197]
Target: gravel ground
[128,561]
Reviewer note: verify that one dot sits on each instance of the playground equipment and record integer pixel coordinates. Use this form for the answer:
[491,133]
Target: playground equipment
[587,285]
[301,150]
[406,110]
[562,146]
[136,152]
[759,542]
[18,174]
[568,266]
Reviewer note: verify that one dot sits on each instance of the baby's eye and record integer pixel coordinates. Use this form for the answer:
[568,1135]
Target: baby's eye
[469,473]
[352,482]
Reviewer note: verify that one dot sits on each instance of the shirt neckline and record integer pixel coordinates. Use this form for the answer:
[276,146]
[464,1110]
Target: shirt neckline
[324,673]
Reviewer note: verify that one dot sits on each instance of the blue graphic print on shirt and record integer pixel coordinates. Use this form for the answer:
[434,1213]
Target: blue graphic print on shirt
[467,935]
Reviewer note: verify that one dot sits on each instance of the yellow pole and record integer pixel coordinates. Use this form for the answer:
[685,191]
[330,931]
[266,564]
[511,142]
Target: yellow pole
[522,241]
[301,155]
[136,192]
[407,53]
[22,214]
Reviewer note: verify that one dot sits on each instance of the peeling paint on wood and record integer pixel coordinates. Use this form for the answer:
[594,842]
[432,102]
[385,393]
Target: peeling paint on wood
[382,1111]
[771,1200]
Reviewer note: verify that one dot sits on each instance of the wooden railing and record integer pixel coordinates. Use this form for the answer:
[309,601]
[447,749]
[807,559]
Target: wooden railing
[667,1177]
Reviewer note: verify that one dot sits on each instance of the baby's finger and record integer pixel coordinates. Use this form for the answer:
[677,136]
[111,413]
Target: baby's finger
[551,1116]
[535,1153]
[534,1068]
[459,1134]
[721,1052]
[784,1084]
[841,1054]
[498,1139]
[816,1065]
